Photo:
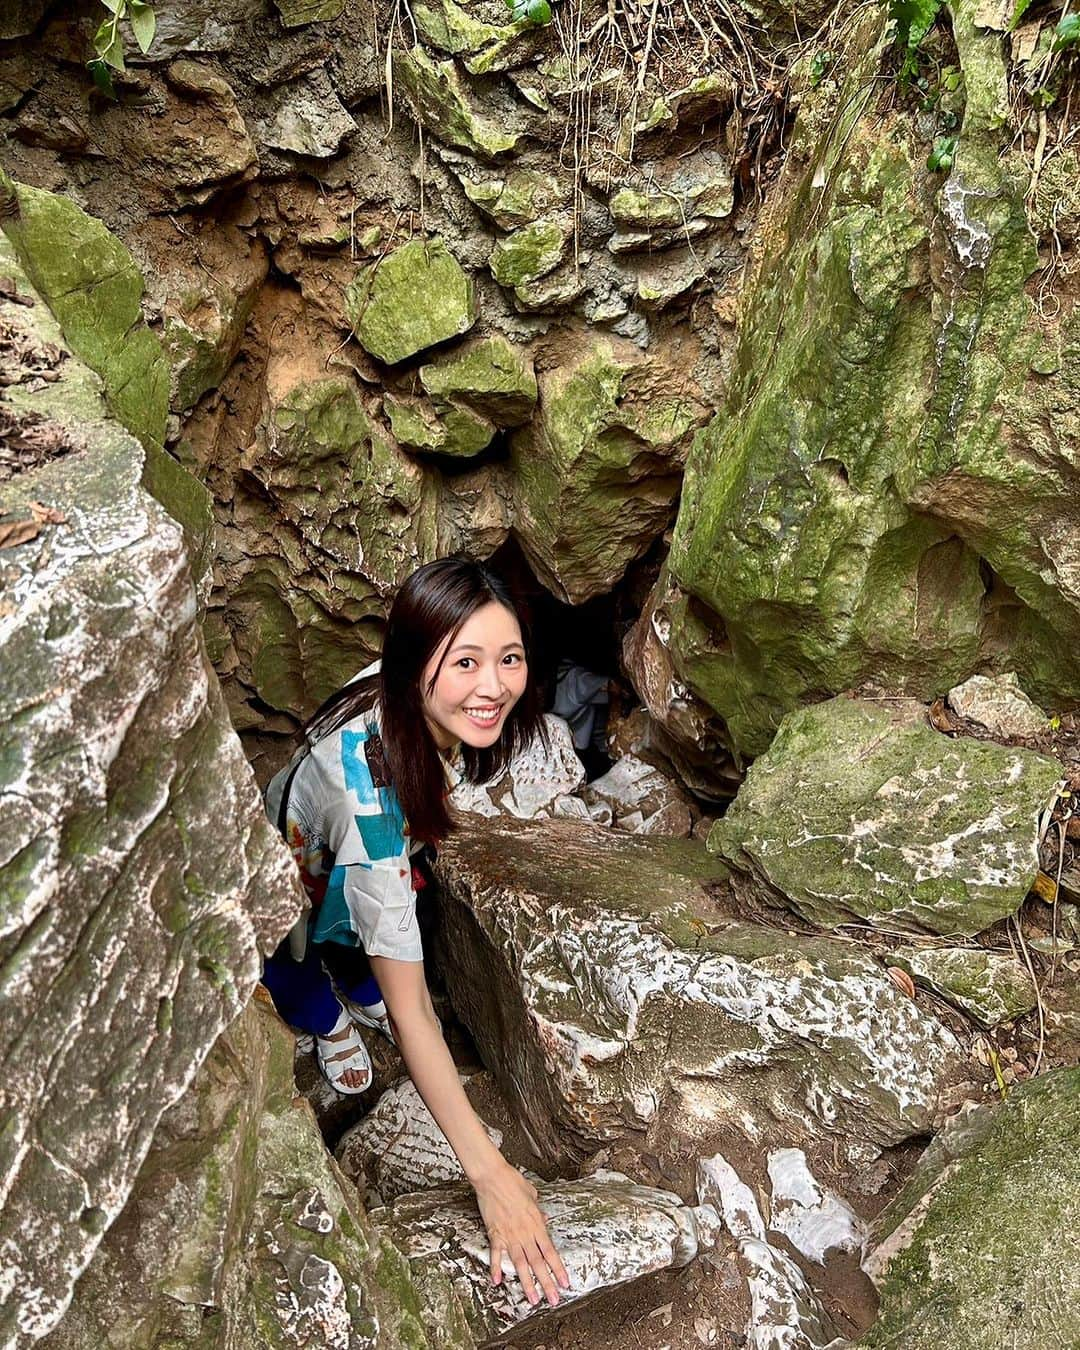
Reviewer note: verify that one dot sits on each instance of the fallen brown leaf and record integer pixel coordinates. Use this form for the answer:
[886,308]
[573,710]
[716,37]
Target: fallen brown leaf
[1045,887]
[902,980]
[15,532]
[47,515]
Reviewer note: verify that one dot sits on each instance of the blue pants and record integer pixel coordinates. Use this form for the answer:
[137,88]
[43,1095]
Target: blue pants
[303,991]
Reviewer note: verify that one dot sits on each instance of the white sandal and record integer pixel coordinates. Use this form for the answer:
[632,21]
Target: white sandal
[337,1057]
[370,1015]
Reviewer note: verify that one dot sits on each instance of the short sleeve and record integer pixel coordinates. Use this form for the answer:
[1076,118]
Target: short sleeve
[381,903]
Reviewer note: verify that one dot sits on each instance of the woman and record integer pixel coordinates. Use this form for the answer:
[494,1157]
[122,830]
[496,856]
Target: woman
[453,685]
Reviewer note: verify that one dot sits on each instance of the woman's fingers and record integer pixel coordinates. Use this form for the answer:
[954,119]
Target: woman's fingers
[524,1270]
[543,1274]
[553,1260]
[495,1253]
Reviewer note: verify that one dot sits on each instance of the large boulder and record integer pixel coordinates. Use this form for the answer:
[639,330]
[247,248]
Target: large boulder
[862,811]
[141,879]
[242,1231]
[609,992]
[888,491]
[596,473]
[986,1226]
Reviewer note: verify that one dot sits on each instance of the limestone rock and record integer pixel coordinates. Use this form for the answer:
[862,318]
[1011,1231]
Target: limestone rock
[692,737]
[784,1310]
[443,102]
[607,1230]
[520,197]
[606,995]
[1000,705]
[861,810]
[90,282]
[416,296]
[879,495]
[493,377]
[140,876]
[988,986]
[199,26]
[294,13]
[240,1227]
[306,117]
[397,1147]
[642,800]
[203,144]
[529,253]
[597,470]
[533,781]
[980,1240]
[473,514]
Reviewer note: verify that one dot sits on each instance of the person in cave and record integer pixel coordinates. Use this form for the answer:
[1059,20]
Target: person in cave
[452,696]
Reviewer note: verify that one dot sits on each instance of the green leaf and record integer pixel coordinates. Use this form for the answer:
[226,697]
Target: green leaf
[1067,32]
[1022,7]
[941,157]
[143,23]
[115,6]
[102,77]
[913,19]
[538,11]
[109,45]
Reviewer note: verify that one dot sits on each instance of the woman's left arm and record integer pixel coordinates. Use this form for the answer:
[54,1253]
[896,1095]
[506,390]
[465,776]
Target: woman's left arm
[507,1200]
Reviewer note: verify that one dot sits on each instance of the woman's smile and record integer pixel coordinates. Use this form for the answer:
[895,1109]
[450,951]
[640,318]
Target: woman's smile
[479,673]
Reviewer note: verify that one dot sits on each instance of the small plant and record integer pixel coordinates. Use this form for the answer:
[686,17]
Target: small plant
[820,66]
[940,159]
[913,20]
[1067,32]
[109,41]
[536,11]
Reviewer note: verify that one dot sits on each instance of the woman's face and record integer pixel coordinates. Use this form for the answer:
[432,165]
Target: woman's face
[482,677]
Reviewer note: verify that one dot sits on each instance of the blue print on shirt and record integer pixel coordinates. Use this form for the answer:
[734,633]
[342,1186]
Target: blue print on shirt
[383,834]
[354,766]
[333,922]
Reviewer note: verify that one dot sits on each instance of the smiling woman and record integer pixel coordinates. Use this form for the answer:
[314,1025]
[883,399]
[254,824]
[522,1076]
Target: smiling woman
[452,696]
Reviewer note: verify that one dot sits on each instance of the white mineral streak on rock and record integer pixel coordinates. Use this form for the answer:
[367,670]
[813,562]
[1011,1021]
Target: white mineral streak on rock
[397,1147]
[641,799]
[616,965]
[608,1231]
[534,781]
[970,238]
[814,1220]
[784,1311]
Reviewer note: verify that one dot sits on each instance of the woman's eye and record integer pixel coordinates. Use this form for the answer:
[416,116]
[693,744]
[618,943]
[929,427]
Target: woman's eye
[513,659]
[465,662]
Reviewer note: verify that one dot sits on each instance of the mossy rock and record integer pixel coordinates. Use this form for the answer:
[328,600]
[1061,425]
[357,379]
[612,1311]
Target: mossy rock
[492,376]
[529,253]
[519,198]
[90,282]
[444,104]
[415,297]
[295,13]
[978,1249]
[988,986]
[862,811]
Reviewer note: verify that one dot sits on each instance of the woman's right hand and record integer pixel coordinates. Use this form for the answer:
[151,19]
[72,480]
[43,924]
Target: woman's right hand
[515,1226]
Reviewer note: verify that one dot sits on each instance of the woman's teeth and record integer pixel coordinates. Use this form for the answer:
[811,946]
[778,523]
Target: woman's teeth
[488,715]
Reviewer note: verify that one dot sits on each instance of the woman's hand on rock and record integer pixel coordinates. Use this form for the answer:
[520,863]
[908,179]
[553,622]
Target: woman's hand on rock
[516,1226]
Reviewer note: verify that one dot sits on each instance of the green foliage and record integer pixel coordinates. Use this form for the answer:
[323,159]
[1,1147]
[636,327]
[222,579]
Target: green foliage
[820,66]
[109,41]
[1022,7]
[536,11]
[913,20]
[1067,32]
[941,157]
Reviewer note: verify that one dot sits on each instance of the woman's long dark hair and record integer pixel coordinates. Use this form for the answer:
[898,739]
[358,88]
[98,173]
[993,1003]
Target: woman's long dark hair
[433,603]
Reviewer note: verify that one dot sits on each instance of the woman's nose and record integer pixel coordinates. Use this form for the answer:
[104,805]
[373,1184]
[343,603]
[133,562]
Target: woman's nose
[489,683]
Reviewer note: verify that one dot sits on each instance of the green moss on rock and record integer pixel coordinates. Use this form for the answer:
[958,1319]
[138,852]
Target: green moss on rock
[492,376]
[529,253]
[415,297]
[443,102]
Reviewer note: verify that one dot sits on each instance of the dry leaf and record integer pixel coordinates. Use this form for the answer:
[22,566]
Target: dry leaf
[664,1313]
[705,1331]
[1045,887]
[15,532]
[48,515]
[902,980]
[980,1052]
[1025,40]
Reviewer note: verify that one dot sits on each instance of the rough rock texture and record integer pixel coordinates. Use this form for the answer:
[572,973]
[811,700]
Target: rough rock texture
[595,475]
[242,1232]
[640,799]
[987,1223]
[607,1230]
[988,986]
[140,876]
[861,810]
[998,704]
[411,299]
[534,782]
[888,491]
[397,1147]
[606,993]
